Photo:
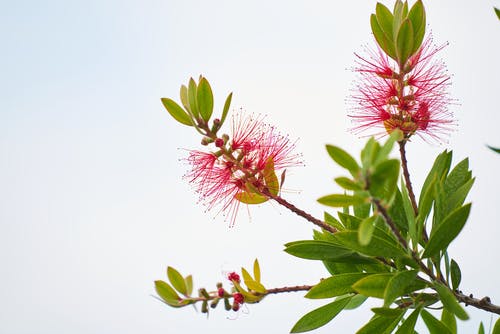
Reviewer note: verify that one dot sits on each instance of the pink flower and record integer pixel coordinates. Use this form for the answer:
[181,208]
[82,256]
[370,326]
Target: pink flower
[237,163]
[413,99]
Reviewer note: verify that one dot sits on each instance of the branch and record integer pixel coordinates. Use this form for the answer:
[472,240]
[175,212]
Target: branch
[406,173]
[483,303]
[299,212]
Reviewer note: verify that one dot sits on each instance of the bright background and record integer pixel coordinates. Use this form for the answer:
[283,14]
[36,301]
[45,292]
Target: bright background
[92,202]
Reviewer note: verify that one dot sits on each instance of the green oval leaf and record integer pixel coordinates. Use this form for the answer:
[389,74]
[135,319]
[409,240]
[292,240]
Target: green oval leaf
[417,18]
[336,285]
[343,159]
[384,19]
[184,97]
[384,43]
[397,285]
[448,230]
[373,285]
[496,328]
[193,106]
[340,200]
[456,274]
[167,293]
[365,230]
[248,197]
[377,247]
[225,110]
[205,99]
[434,325]
[449,320]
[408,325]
[320,316]
[316,250]
[381,324]
[348,184]
[450,302]
[176,111]
[404,42]
[177,280]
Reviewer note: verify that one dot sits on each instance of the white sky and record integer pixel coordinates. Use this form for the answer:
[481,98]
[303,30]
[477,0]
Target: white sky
[92,204]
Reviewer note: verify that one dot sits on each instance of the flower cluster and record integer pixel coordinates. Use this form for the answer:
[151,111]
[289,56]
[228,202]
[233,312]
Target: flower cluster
[236,169]
[412,97]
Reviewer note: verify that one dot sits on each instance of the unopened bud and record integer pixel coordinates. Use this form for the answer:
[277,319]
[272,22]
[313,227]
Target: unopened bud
[214,303]
[219,142]
[236,307]
[205,141]
[204,307]
[203,293]
[227,304]
[233,277]
[216,125]
[238,298]
[221,292]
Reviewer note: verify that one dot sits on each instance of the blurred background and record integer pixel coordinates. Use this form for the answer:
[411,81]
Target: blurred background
[92,203]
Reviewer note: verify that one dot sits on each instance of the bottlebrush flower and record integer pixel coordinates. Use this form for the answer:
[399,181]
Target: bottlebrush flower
[413,99]
[237,165]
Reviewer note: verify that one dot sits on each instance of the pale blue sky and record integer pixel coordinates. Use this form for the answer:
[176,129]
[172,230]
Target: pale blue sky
[92,202]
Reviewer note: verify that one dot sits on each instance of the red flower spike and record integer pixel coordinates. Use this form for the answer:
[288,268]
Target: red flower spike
[414,99]
[219,177]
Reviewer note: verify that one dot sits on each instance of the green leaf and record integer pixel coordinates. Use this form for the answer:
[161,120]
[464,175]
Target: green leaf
[248,197]
[497,11]
[373,285]
[256,270]
[167,293]
[369,153]
[177,280]
[348,184]
[456,274]
[316,250]
[184,97]
[384,19]
[382,40]
[272,182]
[350,222]
[336,285]
[343,159]
[377,247]
[386,311]
[408,325]
[227,104]
[450,302]
[330,220]
[365,230]
[434,325]
[251,283]
[496,328]
[404,42]
[449,320]
[459,175]
[417,18]
[382,324]
[320,316]
[362,210]
[397,285]
[193,105]
[425,205]
[384,180]
[340,200]
[438,171]
[176,111]
[481,328]
[448,230]
[205,99]
[398,213]
[356,301]
[398,16]
[386,149]
[189,284]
